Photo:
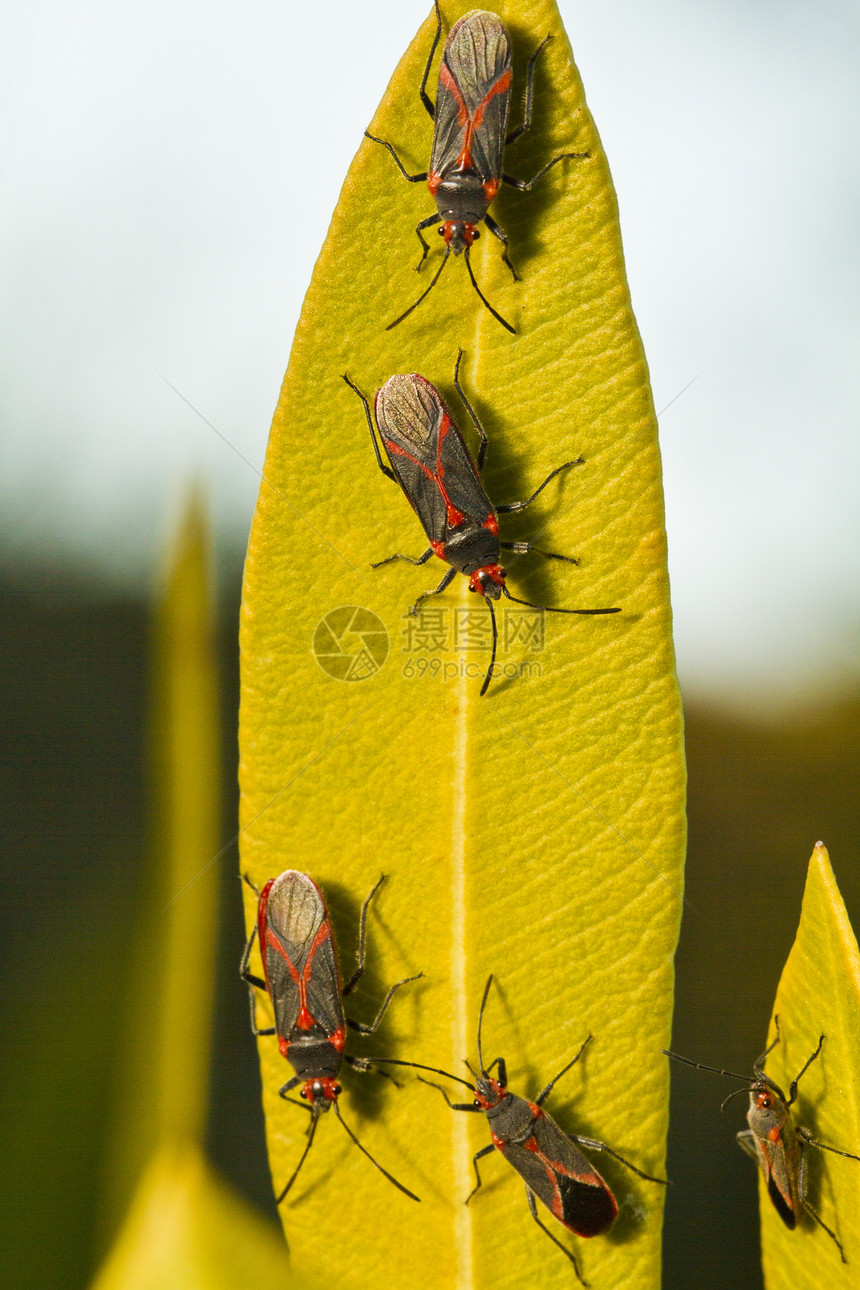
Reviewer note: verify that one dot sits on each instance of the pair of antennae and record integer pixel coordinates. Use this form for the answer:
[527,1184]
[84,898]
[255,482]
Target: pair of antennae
[498,317]
[714,1070]
[312,1130]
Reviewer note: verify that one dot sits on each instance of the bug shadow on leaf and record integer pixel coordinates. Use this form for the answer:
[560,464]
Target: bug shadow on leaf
[368,1090]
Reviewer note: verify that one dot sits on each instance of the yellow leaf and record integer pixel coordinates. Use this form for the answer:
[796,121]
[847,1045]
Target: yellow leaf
[819,993]
[536,833]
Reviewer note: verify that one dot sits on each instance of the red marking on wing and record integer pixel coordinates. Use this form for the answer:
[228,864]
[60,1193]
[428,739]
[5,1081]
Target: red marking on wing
[471,124]
[446,78]
[396,451]
[337,1040]
[305,1019]
[491,523]
[454,516]
[261,925]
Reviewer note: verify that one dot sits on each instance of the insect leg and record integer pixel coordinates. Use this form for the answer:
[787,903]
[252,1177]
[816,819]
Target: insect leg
[479,1155]
[539,1101]
[425,97]
[503,1070]
[425,223]
[368,1029]
[523,548]
[421,177]
[253,982]
[792,1091]
[527,97]
[422,559]
[482,451]
[813,1142]
[595,1145]
[366,1066]
[386,470]
[533,1210]
[244,971]
[446,581]
[758,1064]
[362,937]
[285,1089]
[503,238]
[510,507]
[526,185]
[255,1029]
[801,1190]
[455,1106]
[311,1131]
[248,977]
[746,1141]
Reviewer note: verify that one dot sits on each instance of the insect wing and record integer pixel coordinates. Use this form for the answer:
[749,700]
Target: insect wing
[473,97]
[559,1174]
[300,959]
[429,457]
[774,1163]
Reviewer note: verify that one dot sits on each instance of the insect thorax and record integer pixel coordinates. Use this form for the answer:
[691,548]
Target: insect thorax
[512,1118]
[461,198]
[313,1056]
[471,549]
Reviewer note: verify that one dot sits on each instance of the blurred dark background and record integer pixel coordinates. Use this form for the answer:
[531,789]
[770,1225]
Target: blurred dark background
[74,783]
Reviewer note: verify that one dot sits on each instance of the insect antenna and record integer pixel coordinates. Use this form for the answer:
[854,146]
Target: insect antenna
[429,289]
[498,317]
[480,1021]
[489,675]
[434,1070]
[390,1177]
[699,1066]
[311,1131]
[552,609]
[737,1093]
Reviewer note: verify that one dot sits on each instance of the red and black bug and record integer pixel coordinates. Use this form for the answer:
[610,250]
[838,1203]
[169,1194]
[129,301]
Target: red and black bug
[774,1141]
[433,466]
[547,1159]
[470,117]
[301,976]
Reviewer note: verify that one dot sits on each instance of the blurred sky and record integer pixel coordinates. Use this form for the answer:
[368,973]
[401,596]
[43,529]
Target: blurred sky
[164,199]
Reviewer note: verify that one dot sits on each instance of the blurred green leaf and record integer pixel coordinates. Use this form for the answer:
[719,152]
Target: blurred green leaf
[819,993]
[538,832]
[184,1228]
[186,1231]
